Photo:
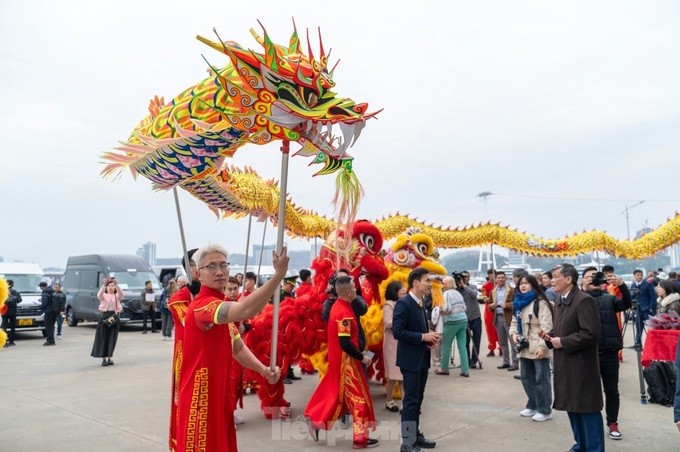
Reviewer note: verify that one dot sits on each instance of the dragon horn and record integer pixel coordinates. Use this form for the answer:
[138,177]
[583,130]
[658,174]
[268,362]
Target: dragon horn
[257,37]
[294,45]
[269,50]
[322,57]
[309,48]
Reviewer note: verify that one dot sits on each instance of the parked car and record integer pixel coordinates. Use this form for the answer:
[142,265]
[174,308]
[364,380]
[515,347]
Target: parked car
[26,278]
[167,272]
[85,275]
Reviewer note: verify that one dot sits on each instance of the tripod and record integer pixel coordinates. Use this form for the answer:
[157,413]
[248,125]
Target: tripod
[638,326]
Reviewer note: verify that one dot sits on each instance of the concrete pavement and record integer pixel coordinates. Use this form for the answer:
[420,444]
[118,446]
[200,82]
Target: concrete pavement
[60,399]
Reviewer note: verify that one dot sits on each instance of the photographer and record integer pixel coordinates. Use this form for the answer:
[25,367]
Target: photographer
[474,316]
[646,303]
[610,341]
[532,314]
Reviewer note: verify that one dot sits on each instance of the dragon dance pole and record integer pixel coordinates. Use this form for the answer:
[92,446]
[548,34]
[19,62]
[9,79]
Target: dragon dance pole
[181,232]
[259,263]
[285,151]
[245,264]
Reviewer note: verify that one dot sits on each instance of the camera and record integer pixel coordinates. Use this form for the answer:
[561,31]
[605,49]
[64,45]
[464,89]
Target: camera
[457,277]
[330,290]
[522,343]
[599,278]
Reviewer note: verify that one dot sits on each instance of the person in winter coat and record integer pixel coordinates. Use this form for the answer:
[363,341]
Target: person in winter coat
[669,297]
[610,339]
[577,385]
[47,306]
[455,326]
[532,313]
[9,318]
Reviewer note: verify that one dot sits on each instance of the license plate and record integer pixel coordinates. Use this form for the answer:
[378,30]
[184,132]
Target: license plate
[25,322]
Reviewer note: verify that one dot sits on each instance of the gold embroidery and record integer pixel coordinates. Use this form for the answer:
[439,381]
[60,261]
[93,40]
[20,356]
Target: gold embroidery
[197,427]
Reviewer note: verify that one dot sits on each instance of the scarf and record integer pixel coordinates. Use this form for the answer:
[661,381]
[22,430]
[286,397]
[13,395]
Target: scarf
[522,300]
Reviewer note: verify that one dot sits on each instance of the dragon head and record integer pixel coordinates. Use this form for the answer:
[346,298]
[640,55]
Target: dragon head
[285,94]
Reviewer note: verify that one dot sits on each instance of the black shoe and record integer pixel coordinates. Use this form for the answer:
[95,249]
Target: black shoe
[513,368]
[421,441]
[110,362]
[370,442]
[287,381]
[105,363]
[11,344]
[313,431]
[144,332]
[504,366]
[410,449]
[156,331]
[516,377]
[48,343]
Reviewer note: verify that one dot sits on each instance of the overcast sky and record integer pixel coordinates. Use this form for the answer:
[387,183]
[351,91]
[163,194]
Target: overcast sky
[566,111]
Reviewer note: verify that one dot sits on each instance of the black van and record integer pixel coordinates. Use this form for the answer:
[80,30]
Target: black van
[85,275]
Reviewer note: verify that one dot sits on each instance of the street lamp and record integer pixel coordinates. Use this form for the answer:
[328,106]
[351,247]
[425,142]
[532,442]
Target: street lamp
[625,212]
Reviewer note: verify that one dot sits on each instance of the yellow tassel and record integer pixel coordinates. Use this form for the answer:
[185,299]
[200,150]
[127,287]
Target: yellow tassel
[4,292]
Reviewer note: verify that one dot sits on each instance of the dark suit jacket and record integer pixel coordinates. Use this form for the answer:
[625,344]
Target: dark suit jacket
[647,297]
[408,327]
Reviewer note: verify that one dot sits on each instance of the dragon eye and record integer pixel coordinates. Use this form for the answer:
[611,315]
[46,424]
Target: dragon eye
[310,96]
[368,241]
[422,248]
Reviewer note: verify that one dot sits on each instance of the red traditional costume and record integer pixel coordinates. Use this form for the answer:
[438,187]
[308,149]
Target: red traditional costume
[491,333]
[178,306]
[303,289]
[344,385]
[206,392]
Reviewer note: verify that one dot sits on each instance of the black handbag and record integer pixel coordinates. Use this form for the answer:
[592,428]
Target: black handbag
[111,320]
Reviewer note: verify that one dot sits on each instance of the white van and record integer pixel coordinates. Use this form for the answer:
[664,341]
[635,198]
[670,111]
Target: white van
[26,278]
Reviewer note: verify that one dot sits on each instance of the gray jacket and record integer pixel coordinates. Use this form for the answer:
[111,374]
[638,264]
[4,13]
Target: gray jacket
[469,294]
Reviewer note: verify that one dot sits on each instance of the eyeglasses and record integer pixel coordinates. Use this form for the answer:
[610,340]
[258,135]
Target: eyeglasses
[213,267]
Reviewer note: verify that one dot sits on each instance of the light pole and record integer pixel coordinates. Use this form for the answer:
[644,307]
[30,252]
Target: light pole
[492,262]
[625,212]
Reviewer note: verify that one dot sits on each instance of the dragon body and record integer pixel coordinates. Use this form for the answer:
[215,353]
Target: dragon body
[302,331]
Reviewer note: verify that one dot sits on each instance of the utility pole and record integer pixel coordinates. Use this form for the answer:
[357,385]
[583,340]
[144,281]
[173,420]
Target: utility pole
[625,212]
[490,261]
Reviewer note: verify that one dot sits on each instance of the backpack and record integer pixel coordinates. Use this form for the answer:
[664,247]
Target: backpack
[660,378]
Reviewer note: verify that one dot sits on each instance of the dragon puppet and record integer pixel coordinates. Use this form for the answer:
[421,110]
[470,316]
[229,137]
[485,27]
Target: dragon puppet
[302,332]
[281,94]
[410,250]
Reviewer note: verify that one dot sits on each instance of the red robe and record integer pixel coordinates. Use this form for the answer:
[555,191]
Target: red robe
[303,289]
[491,333]
[344,385]
[178,306]
[206,392]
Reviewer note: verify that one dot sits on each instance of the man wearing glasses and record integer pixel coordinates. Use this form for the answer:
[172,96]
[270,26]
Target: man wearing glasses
[205,418]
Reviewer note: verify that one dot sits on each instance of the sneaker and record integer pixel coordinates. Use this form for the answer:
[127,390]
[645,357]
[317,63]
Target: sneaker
[614,432]
[540,417]
[58,337]
[490,353]
[527,412]
[238,420]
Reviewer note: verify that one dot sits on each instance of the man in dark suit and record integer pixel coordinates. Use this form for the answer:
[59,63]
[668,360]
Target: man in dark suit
[646,299]
[578,389]
[409,326]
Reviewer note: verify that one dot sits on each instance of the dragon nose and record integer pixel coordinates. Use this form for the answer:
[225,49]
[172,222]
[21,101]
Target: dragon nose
[360,108]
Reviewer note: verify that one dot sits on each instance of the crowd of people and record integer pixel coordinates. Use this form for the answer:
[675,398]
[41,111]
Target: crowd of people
[562,334]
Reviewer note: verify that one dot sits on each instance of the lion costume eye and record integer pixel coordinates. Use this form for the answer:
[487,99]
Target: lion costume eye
[422,248]
[368,241]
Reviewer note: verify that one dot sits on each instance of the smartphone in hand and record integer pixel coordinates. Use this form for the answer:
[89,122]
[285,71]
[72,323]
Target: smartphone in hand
[370,355]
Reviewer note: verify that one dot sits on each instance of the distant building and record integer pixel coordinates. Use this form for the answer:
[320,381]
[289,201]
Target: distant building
[516,259]
[266,252]
[148,251]
[642,232]
[2,259]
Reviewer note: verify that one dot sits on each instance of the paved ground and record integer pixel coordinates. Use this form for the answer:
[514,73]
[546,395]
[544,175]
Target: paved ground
[60,399]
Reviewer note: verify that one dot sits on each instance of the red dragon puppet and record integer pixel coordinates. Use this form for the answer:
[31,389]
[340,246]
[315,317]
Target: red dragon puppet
[302,332]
